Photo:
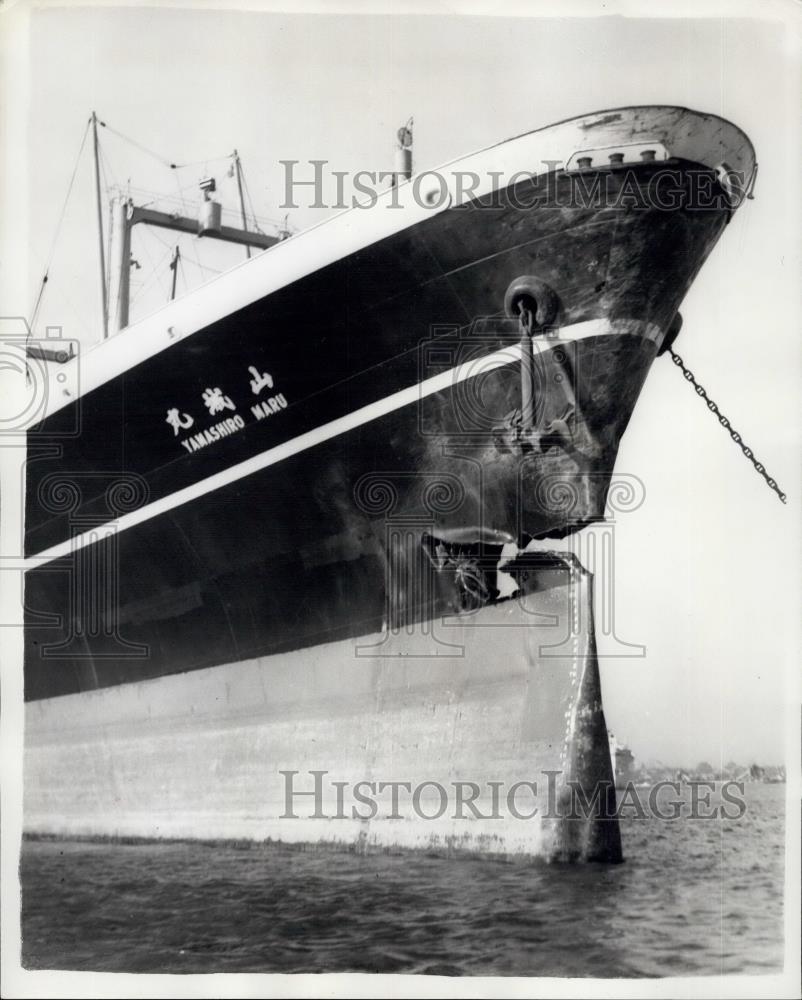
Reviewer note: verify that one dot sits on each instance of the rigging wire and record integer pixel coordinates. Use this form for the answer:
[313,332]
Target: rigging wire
[45,276]
[204,162]
[183,275]
[160,196]
[105,163]
[105,167]
[165,243]
[112,306]
[183,202]
[139,146]
[204,267]
[157,156]
[154,269]
[184,236]
[63,298]
[253,218]
[257,221]
[179,197]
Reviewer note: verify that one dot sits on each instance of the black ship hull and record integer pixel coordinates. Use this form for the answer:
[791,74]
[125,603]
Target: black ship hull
[355,452]
[292,553]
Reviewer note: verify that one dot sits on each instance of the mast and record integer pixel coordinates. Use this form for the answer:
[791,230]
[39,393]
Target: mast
[238,169]
[174,269]
[119,265]
[104,303]
[126,215]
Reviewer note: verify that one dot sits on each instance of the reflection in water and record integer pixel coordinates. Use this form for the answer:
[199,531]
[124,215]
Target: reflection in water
[694,897]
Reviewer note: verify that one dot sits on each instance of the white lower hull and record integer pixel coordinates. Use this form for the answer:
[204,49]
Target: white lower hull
[478,699]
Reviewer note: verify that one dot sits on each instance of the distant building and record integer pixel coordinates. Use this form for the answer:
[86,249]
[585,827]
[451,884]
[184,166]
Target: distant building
[623,762]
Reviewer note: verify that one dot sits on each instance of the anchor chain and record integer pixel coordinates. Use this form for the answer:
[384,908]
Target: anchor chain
[736,437]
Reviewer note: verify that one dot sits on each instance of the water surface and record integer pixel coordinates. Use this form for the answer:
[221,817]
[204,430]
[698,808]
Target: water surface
[694,897]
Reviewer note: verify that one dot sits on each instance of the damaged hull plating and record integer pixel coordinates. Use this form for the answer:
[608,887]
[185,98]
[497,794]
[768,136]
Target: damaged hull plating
[489,753]
[344,456]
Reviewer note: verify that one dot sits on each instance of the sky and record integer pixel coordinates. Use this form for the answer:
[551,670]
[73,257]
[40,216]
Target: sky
[707,576]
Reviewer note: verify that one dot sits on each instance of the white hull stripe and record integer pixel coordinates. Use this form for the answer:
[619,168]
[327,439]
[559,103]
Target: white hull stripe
[341,425]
